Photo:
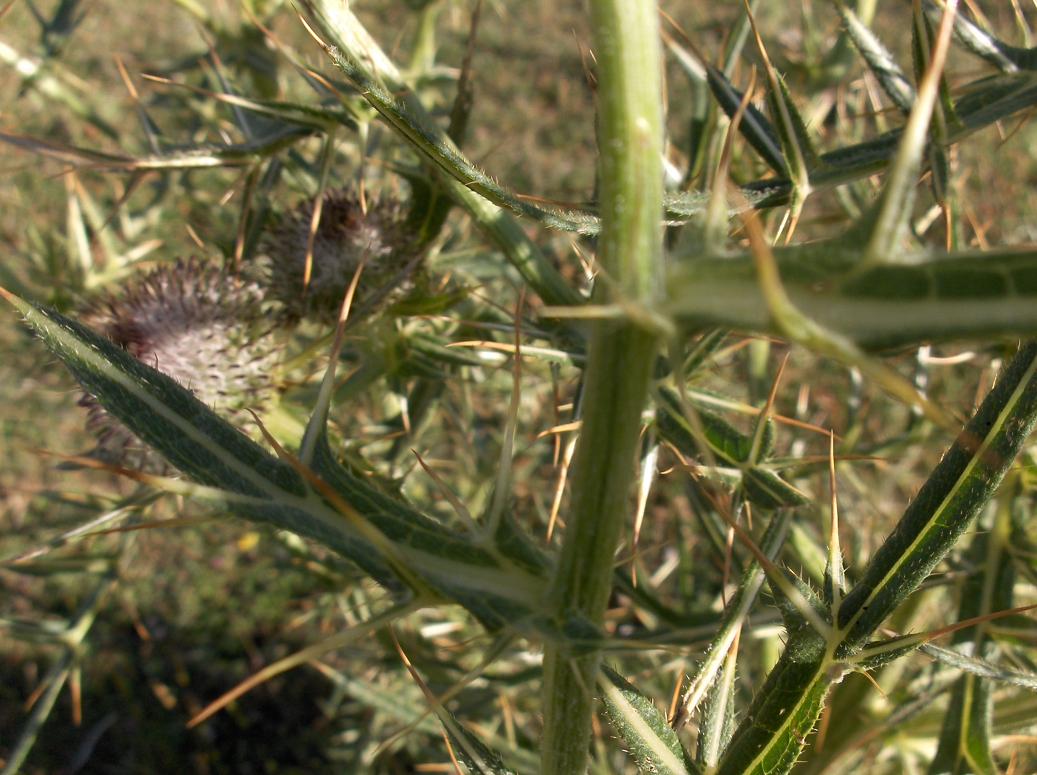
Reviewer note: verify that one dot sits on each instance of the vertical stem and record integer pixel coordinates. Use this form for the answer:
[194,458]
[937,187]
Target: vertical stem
[620,360]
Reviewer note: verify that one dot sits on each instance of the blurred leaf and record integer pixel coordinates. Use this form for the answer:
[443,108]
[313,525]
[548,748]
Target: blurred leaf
[196,157]
[892,79]
[729,446]
[967,724]
[479,758]
[909,299]
[56,84]
[1005,57]
[722,439]
[766,489]
[981,667]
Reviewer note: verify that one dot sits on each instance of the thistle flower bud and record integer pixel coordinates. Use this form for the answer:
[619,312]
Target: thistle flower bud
[196,324]
[347,234]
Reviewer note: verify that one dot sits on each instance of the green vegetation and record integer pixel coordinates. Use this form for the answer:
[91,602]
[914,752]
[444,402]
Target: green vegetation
[548,390]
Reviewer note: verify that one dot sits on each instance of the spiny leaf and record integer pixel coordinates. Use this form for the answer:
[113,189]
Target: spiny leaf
[727,445]
[770,738]
[407,117]
[647,736]
[478,757]
[754,126]
[796,145]
[717,719]
[763,487]
[943,117]
[880,653]
[415,127]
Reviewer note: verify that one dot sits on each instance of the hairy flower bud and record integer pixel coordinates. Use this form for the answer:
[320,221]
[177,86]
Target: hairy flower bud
[347,234]
[196,324]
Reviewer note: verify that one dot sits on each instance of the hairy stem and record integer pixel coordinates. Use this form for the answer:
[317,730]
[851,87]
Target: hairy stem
[621,354]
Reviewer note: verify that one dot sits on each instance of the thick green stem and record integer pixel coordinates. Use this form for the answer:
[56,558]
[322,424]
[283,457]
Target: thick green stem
[620,359]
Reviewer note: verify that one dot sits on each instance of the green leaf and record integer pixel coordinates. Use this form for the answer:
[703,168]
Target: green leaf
[717,438]
[965,736]
[643,727]
[796,145]
[717,721]
[943,112]
[410,121]
[735,613]
[880,653]
[722,439]
[984,102]
[353,51]
[754,126]
[885,225]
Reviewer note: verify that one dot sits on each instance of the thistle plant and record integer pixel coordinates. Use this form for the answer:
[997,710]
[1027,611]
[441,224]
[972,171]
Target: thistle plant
[200,326]
[716,490]
[314,254]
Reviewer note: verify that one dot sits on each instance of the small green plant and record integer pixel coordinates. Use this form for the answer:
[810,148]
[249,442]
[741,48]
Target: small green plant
[702,551]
